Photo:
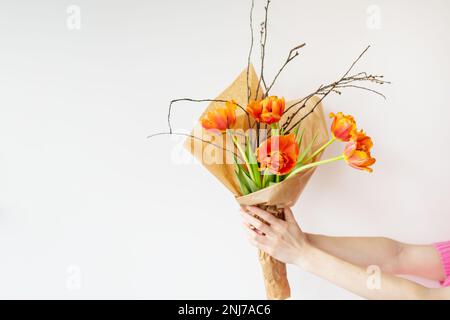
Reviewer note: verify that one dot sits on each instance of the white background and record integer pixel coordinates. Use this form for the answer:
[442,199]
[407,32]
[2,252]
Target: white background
[89,208]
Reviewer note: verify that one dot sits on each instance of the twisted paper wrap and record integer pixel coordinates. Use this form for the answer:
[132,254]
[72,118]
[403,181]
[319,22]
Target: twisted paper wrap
[274,271]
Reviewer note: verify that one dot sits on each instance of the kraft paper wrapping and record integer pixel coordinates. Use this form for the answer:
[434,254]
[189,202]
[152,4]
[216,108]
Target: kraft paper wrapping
[274,198]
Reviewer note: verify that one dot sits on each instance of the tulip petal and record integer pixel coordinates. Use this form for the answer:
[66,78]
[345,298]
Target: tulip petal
[343,127]
[278,154]
[220,118]
[268,110]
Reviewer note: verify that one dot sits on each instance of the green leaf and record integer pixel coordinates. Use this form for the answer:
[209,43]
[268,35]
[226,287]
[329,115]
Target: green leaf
[307,150]
[300,137]
[267,178]
[243,155]
[247,184]
[295,131]
[250,183]
[243,186]
[242,183]
[253,163]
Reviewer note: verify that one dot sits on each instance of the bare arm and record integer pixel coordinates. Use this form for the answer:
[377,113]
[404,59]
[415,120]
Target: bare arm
[391,256]
[354,278]
[286,242]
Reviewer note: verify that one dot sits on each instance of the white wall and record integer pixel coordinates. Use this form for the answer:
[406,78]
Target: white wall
[91,209]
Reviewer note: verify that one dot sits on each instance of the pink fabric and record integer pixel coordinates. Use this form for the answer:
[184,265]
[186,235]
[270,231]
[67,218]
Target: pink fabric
[444,251]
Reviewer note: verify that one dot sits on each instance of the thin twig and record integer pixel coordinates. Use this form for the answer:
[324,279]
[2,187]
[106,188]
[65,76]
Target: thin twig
[300,101]
[304,102]
[250,52]
[343,82]
[263,48]
[293,53]
[264,83]
[363,88]
[312,110]
[355,62]
[193,137]
[169,114]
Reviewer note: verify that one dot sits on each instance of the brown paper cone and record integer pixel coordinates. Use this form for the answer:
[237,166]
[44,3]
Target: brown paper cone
[276,197]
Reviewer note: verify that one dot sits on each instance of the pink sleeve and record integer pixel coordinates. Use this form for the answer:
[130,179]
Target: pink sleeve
[444,251]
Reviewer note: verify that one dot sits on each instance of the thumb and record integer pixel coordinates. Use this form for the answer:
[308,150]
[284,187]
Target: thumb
[289,216]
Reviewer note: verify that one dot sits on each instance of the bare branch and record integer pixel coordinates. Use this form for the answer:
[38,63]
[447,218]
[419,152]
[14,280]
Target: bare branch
[363,88]
[250,52]
[355,62]
[169,114]
[263,47]
[303,103]
[344,82]
[293,53]
[195,138]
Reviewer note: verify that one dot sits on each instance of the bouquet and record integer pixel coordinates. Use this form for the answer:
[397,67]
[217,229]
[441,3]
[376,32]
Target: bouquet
[265,149]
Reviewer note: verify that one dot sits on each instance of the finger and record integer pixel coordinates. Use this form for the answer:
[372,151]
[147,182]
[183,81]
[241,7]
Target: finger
[253,228]
[289,216]
[261,242]
[243,209]
[263,214]
[258,224]
[254,237]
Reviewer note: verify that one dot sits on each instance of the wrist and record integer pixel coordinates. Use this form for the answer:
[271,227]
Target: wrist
[303,259]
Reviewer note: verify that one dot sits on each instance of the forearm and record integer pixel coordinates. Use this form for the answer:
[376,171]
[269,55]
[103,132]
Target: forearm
[355,278]
[362,251]
[390,256]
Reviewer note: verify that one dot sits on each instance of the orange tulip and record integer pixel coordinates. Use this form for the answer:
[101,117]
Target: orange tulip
[357,152]
[278,154]
[363,141]
[268,110]
[343,127]
[220,118]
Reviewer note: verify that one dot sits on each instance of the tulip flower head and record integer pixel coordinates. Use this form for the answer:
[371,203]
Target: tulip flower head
[220,118]
[278,154]
[364,142]
[343,127]
[268,110]
[357,152]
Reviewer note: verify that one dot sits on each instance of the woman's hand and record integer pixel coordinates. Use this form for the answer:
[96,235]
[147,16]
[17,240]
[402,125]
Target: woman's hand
[283,240]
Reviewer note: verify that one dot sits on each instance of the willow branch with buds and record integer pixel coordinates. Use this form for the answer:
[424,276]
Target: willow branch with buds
[263,48]
[323,91]
[293,53]
[169,114]
[249,93]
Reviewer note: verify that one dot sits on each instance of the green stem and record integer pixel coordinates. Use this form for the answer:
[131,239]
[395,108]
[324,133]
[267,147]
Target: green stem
[243,155]
[321,149]
[265,178]
[314,164]
[275,129]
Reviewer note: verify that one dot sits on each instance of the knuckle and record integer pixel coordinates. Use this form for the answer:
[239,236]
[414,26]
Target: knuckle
[258,224]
